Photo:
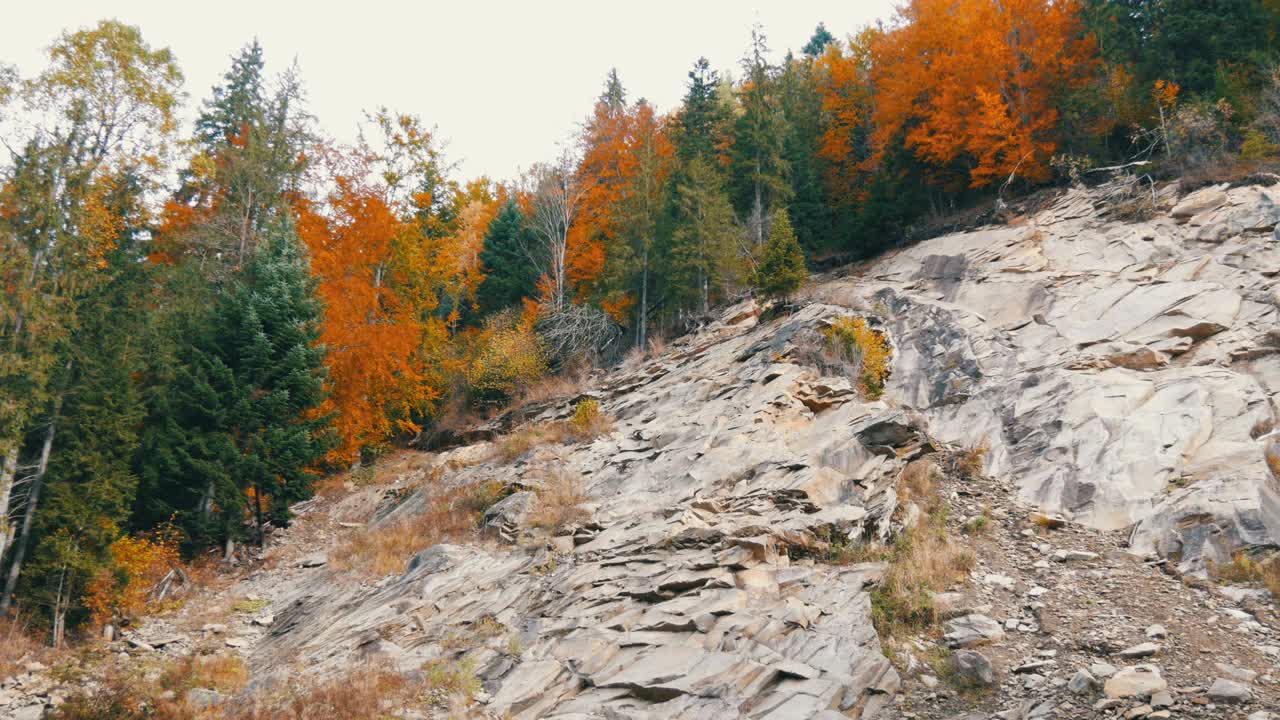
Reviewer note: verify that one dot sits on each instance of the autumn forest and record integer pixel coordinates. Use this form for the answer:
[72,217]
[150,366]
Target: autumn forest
[200,323]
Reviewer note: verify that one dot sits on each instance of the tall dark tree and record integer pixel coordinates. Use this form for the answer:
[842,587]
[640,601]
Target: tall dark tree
[240,428]
[819,41]
[508,274]
[702,124]
[760,169]
[802,112]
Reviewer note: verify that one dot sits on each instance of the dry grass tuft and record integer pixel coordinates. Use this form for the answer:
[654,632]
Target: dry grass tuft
[222,672]
[515,444]
[919,485]
[450,515]
[587,423]
[551,387]
[558,502]
[923,560]
[971,461]
[1246,569]
[17,646]
[370,693]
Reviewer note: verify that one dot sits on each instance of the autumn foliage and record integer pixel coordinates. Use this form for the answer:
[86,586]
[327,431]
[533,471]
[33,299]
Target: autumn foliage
[374,323]
[971,85]
[123,590]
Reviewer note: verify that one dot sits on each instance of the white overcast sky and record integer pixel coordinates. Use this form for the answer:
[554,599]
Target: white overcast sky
[504,82]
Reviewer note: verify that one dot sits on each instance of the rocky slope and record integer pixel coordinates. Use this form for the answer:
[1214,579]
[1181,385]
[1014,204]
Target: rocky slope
[1121,376]
[1121,373]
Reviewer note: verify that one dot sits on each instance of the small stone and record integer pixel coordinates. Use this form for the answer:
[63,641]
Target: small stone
[1063,556]
[972,630]
[973,667]
[1138,712]
[1161,699]
[215,628]
[1139,651]
[1107,703]
[998,580]
[1157,632]
[313,561]
[203,698]
[1102,670]
[1235,673]
[1048,520]
[1229,692]
[1082,683]
[1033,666]
[1160,715]
[929,681]
[1135,681]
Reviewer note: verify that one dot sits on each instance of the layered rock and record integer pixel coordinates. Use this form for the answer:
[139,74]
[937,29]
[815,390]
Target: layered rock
[692,590]
[1123,374]
[1118,374]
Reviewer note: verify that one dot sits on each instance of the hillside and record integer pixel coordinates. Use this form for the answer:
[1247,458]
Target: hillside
[1076,427]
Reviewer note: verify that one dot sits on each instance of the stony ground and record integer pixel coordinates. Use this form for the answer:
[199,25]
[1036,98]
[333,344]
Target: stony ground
[1076,618]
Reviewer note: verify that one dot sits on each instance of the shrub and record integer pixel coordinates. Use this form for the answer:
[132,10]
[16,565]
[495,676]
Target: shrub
[970,462]
[578,334]
[588,422]
[1246,569]
[138,564]
[863,349]
[781,270]
[1256,146]
[510,359]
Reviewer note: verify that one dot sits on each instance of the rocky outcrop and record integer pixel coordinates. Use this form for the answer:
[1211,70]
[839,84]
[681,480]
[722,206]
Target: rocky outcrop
[693,589]
[1122,374]
[1117,375]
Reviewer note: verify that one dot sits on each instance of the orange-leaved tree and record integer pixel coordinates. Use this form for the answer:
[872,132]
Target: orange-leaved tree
[970,85]
[376,316]
[845,91]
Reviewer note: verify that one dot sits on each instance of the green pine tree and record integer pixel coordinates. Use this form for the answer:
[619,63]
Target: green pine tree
[781,270]
[802,112]
[760,169]
[508,272]
[705,246]
[237,430]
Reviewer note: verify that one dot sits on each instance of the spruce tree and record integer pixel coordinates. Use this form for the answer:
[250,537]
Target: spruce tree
[704,247]
[760,170]
[240,426]
[802,112]
[508,272]
[781,270]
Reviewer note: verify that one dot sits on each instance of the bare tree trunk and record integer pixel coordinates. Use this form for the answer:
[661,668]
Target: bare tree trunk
[7,474]
[29,517]
[257,513]
[60,604]
[644,299]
